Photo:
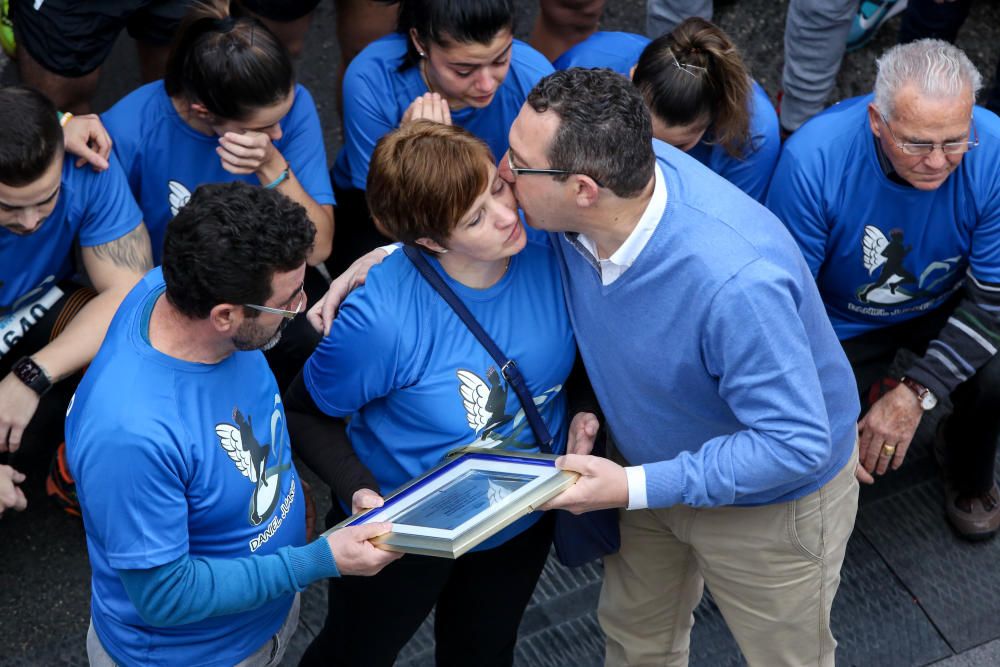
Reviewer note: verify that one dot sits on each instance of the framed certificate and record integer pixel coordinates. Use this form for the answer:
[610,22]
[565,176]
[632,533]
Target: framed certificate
[473,495]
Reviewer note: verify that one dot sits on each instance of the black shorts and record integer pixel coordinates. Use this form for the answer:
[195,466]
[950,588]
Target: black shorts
[72,38]
[281,11]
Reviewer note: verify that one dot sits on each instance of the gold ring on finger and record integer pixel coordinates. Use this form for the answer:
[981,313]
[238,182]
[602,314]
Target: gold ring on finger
[888,450]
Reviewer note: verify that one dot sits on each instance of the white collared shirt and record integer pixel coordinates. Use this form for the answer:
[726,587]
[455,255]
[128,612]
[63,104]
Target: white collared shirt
[620,260]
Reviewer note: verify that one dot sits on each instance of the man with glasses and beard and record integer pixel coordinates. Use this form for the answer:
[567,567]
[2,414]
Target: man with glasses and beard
[894,199]
[176,436]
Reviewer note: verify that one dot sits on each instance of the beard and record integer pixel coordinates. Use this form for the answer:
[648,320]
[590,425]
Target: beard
[252,336]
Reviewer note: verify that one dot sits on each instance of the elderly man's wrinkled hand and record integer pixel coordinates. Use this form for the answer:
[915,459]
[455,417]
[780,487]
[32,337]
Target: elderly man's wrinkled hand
[602,485]
[886,431]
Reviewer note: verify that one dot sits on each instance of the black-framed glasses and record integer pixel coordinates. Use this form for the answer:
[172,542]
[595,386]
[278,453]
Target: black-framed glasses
[948,148]
[287,314]
[517,171]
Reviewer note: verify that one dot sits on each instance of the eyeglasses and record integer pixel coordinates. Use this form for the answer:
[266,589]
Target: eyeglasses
[949,148]
[517,171]
[693,70]
[287,314]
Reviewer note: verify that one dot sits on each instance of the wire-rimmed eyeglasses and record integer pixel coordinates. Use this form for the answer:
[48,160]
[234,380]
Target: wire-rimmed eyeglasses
[287,314]
[948,148]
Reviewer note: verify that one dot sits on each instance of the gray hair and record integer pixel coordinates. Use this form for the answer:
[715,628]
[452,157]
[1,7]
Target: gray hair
[937,68]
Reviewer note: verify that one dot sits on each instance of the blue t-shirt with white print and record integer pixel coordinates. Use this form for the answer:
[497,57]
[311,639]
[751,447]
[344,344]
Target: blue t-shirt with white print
[751,173]
[377,94]
[419,384]
[91,209]
[175,458]
[883,252]
[165,159]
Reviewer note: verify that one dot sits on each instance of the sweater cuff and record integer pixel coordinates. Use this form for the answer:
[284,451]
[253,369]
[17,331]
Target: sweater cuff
[664,483]
[312,563]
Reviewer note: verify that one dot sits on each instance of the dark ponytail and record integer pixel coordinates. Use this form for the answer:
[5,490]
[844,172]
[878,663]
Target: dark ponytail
[233,66]
[463,21]
[695,72]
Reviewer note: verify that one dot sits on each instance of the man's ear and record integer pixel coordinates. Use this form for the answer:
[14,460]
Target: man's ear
[873,119]
[226,317]
[585,190]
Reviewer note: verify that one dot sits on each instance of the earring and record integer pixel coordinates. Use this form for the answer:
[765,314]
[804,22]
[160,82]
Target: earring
[421,54]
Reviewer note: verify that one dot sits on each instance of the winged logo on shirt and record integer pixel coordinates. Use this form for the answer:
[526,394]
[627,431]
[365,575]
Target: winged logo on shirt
[485,401]
[178,197]
[251,459]
[895,282]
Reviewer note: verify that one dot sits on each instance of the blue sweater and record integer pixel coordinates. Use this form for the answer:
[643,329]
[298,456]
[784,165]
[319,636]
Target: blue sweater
[712,355]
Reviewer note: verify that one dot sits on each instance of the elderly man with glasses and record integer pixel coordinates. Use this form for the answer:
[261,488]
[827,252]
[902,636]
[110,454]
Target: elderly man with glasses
[894,199]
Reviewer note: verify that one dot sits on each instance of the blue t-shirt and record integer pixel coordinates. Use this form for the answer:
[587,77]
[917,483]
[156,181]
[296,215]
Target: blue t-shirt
[377,94]
[883,252]
[620,51]
[165,159]
[419,383]
[171,458]
[92,209]
[712,356]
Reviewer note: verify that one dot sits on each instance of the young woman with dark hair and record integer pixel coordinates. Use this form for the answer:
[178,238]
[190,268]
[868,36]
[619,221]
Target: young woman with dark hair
[700,96]
[228,109]
[410,372]
[454,62]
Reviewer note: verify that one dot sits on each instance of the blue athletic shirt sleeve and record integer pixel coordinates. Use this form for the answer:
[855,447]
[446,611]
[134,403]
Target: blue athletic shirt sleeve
[108,211]
[361,358]
[796,199]
[188,590]
[618,51]
[302,146]
[369,112]
[761,374]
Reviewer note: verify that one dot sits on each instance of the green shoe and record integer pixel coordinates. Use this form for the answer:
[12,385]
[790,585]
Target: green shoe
[7,30]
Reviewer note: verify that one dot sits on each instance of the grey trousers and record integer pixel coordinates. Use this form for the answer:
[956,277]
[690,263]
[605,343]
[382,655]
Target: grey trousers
[662,16]
[815,39]
[270,653]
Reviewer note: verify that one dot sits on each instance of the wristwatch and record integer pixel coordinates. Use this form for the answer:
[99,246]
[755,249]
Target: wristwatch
[32,375]
[928,401]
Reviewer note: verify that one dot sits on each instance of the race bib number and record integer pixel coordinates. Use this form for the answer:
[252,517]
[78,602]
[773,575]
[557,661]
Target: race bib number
[16,324]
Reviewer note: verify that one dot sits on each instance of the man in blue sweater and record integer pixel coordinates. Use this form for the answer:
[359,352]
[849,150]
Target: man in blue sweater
[894,199]
[730,402]
[177,439]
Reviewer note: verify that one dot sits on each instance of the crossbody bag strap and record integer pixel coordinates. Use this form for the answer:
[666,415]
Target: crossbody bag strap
[508,367]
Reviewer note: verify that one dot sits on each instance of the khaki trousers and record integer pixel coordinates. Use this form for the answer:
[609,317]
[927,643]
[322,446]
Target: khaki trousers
[773,571]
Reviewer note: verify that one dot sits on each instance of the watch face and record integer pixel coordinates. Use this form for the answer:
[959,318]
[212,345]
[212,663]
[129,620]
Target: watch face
[929,401]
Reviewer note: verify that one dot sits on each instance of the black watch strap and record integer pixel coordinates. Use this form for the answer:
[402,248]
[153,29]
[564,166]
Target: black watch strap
[32,375]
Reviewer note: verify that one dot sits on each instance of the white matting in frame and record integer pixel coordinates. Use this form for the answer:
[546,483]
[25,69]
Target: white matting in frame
[465,500]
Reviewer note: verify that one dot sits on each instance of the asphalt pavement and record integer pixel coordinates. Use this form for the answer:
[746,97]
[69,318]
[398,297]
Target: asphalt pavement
[912,593]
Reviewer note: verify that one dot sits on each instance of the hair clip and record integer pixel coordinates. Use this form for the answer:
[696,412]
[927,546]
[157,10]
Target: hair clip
[693,70]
